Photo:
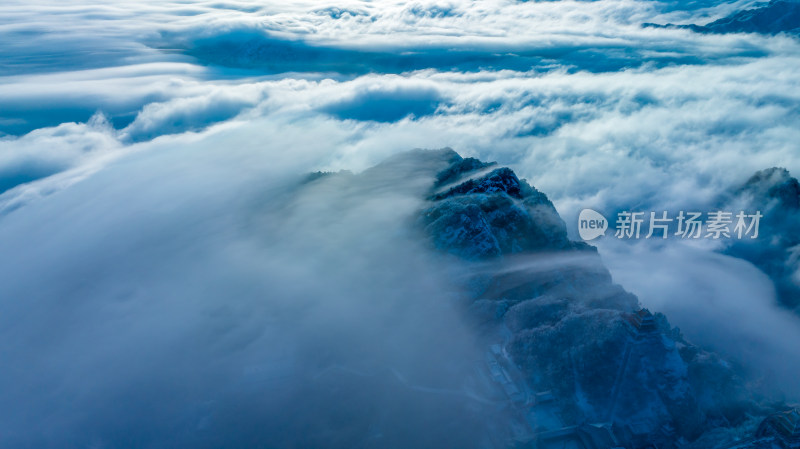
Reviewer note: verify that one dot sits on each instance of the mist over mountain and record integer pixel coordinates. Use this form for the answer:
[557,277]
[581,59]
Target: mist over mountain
[294,314]
[565,347]
[551,307]
[213,234]
[776,194]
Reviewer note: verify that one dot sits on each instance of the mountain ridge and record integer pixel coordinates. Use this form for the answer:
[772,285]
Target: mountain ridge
[777,16]
[551,305]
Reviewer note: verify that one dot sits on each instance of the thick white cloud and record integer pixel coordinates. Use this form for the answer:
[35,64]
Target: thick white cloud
[147,226]
[192,294]
[722,303]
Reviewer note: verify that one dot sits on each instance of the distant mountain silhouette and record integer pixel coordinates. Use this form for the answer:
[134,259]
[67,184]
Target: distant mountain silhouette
[776,194]
[778,16]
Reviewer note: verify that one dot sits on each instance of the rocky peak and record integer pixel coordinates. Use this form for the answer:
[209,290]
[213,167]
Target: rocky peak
[499,180]
[774,184]
[458,168]
[477,212]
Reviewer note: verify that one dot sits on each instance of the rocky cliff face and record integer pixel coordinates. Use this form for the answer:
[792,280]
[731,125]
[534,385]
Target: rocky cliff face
[569,354]
[567,327]
[478,211]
